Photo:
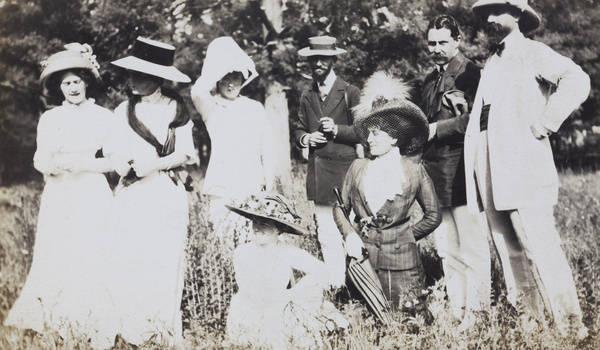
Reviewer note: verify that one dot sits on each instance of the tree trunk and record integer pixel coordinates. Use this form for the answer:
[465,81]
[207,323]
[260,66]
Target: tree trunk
[277,109]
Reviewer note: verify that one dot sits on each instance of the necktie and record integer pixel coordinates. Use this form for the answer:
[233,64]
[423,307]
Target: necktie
[322,94]
[434,91]
[439,78]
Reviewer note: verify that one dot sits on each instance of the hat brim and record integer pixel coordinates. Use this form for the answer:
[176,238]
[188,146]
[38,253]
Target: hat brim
[408,118]
[308,52]
[529,21]
[291,228]
[66,64]
[157,70]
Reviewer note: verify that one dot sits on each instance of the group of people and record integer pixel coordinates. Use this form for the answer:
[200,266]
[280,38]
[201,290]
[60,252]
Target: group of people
[109,264]
[480,167]
[473,153]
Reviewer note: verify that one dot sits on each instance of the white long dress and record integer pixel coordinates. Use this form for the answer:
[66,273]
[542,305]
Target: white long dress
[65,287]
[265,313]
[243,156]
[150,223]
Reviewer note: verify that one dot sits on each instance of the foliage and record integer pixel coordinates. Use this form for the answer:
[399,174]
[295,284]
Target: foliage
[380,34]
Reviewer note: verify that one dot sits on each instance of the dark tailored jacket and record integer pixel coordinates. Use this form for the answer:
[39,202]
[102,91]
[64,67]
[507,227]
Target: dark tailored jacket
[328,163]
[391,240]
[443,156]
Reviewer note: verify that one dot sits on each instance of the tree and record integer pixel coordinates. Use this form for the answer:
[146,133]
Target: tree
[380,34]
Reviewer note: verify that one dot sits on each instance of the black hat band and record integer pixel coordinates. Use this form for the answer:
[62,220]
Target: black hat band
[153,54]
[322,47]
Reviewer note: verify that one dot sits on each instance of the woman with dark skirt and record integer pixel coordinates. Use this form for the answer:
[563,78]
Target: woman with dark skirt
[381,190]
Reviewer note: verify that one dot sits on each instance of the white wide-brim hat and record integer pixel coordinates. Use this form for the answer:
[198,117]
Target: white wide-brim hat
[154,58]
[321,46]
[223,56]
[529,21]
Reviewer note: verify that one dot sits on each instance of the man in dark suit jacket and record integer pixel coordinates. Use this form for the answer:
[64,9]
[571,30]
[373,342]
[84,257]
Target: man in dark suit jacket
[461,239]
[324,127]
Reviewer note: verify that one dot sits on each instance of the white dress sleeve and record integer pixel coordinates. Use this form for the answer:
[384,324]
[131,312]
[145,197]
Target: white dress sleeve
[184,142]
[46,145]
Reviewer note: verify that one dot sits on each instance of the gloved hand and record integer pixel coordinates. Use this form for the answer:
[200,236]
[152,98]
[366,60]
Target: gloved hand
[354,245]
[455,101]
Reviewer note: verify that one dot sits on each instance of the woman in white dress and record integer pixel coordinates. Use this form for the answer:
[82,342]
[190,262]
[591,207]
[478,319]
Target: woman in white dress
[152,142]
[65,289]
[243,155]
[264,312]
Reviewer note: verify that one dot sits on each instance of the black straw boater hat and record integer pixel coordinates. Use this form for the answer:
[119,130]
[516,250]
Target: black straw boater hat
[384,104]
[529,20]
[271,206]
[321,46]
[154,58]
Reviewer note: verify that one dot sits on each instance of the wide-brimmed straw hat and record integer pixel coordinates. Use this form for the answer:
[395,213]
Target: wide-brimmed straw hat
[76,56]
[271,206]
[529,21]
[154,58]
[384,102]
[321,46]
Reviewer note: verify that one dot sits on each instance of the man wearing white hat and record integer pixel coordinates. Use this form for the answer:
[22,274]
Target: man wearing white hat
[324,127]
[526,92]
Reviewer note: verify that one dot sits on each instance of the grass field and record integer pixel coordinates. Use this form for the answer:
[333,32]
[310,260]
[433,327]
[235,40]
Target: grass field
[210,282]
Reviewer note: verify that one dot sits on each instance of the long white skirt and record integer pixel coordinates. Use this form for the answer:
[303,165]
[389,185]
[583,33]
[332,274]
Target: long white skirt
[151,218]
[65,290]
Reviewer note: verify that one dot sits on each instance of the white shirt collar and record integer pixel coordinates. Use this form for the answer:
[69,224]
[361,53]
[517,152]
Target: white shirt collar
[325,87]
[511,38]
[153,97]
[89,101]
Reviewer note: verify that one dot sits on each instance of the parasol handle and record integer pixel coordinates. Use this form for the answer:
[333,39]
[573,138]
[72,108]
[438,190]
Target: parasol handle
[338,195]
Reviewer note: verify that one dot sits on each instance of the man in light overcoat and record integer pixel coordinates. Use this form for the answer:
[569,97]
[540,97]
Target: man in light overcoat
[526,92]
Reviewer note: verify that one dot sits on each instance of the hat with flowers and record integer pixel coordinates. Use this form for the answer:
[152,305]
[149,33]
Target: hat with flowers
[271,206]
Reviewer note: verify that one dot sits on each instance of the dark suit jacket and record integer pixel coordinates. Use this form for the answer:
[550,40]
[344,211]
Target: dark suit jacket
[391,241]
[443,156]
[328,163]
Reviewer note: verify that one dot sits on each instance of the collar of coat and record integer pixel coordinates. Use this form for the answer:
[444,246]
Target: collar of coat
[334,98]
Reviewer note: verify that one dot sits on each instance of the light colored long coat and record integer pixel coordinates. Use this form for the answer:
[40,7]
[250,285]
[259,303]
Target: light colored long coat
[529,82]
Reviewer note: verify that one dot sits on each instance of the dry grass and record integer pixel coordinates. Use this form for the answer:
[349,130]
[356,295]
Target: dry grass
[210,282]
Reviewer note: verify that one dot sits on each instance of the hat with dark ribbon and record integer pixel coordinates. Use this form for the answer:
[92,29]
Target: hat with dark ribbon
[321,46]
[529,20]
[271,206]
[154,58]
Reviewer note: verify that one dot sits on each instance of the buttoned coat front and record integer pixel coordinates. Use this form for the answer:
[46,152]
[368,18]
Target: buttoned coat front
[328,163]
[529,82]
[443,156]
[391,241]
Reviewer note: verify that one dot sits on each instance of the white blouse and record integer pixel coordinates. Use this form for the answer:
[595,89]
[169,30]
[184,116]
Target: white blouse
[77,131]
[243,155]
[383,179]
[156,112]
